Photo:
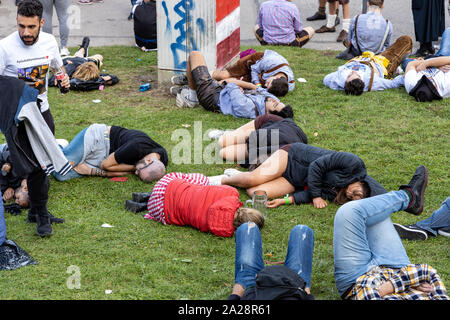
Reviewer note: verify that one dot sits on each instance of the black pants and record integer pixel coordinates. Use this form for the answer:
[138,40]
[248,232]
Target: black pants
[38,182]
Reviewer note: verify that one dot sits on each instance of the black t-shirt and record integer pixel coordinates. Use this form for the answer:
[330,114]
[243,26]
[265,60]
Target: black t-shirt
[130,146]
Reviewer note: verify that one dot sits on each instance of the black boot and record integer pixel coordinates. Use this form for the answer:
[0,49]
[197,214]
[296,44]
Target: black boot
[135,206]
[32,218]
[141,196]
[43,224]
[416,188]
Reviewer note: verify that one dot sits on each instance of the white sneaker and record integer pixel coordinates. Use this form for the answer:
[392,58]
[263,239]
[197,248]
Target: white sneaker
[215,134]
[62,142]
[216,180]
[183,99]
[64,52]
[231,172]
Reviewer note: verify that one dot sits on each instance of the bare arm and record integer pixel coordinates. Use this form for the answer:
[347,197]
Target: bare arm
[433,62]
[242,84]
[110,164]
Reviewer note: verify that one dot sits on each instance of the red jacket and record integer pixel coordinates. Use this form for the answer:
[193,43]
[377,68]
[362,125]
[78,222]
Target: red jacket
[206,208]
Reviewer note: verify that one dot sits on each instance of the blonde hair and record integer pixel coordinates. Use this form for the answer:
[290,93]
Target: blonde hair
[87,71]
[246,215]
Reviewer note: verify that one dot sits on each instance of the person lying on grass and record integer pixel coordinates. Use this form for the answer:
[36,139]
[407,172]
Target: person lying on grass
[370,72]
[84,70]
[370,261]
[253,142]
[112,151]
[268,68]
[429,79]
[230,96]
[311,173]
[189,200]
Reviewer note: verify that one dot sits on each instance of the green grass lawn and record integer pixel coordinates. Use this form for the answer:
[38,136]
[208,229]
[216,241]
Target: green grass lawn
[140,259]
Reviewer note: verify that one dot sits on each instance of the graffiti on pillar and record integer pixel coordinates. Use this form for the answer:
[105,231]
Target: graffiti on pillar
[183,10]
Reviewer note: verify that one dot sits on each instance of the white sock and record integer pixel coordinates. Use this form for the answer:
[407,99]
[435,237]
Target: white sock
[346,24]
[331,20]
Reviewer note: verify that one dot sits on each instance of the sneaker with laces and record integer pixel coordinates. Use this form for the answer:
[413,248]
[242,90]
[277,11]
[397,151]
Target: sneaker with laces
[232,172]
[64,51]
[216,180]
[444,231]
[410,232]
[183,99]
[179,80]
[417,187]
[174,90]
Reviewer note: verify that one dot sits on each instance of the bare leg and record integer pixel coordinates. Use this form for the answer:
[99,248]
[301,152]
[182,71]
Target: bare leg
[237,136]
[235,152]
[332,6]
[269,170]
[310,31]
[275,189]
[195,60]
[346,10]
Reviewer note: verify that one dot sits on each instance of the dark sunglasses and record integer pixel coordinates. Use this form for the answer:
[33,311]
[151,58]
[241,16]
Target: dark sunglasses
[148,164]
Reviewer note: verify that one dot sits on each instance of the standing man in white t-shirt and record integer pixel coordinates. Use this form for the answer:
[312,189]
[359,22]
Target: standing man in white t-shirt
[28,54]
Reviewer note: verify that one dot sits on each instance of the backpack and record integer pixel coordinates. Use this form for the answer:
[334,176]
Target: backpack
[80,85]
[279,283]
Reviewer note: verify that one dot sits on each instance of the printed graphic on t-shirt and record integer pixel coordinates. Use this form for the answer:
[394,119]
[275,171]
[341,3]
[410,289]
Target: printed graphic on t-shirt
[34,76]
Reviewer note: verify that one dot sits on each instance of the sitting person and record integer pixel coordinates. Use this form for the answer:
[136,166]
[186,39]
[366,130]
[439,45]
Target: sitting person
[279,23]
[368,32]
[370,262]
[13,187]
[268,68]
[83,69]
[188,199]
[437,223]
[227,96]
[312,174]
[429,79]
[112,151]
[249,266]
[253,142]
[368,72]
[144,18]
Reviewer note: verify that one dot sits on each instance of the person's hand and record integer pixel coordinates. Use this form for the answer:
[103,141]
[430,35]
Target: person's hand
[445,68]
[275,203]
[6,167]
[66,81]
[421,66]
[424,287]
[319,203]
[9,194]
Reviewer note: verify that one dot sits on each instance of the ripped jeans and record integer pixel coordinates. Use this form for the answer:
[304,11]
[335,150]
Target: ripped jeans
[249,253]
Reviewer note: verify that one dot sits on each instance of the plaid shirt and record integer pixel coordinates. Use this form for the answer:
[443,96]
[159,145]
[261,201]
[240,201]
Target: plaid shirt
[155,204]
[404,281]
[279,20]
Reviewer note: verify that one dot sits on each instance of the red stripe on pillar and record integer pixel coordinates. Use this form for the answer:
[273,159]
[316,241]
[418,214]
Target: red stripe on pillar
[228,48]
[225,7]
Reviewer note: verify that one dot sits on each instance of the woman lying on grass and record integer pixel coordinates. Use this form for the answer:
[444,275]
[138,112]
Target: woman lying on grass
[312,174]
[188,200]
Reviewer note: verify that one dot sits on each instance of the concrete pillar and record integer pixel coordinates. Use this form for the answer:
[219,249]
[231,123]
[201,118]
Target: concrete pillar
[209,26]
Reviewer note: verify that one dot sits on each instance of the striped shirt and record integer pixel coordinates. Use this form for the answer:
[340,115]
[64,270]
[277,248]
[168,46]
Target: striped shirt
[280,21]
[155,204]
[404,281]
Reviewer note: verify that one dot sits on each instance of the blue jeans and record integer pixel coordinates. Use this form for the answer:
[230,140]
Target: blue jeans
[364,237]
[438,219]
[249,254]
[2,221]
[73,152]
[444,49]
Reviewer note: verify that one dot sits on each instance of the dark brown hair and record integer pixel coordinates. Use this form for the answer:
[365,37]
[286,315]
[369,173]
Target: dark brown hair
[341,196]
